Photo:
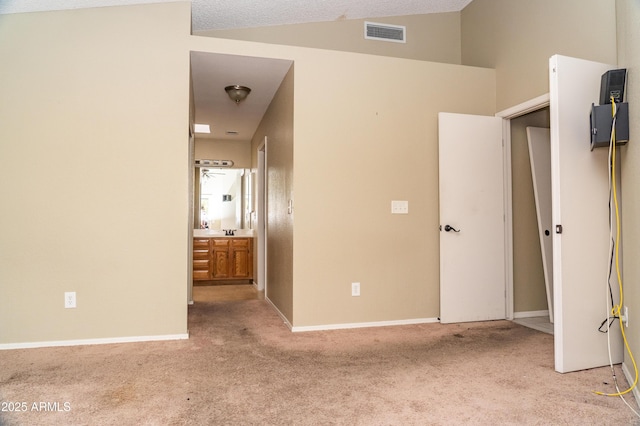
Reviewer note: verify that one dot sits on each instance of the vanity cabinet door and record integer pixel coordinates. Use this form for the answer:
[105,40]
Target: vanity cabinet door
[220,258]
[241,258]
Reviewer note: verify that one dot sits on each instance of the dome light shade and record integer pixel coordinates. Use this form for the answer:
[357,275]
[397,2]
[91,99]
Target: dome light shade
[237,93]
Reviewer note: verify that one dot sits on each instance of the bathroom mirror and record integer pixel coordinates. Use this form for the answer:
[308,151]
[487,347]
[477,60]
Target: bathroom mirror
[223,198]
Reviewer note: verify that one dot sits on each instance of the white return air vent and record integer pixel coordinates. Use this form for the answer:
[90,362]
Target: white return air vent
[385,32]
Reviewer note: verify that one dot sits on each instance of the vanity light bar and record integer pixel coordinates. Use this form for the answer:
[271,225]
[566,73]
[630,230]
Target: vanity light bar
[214,163]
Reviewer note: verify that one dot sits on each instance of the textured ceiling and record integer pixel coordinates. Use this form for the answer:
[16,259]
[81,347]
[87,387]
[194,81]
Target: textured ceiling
[222,14]
[225,14]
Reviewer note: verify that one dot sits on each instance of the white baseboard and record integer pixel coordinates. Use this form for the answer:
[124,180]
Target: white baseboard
[631,377]
[530,314]
[284,319]
[364,324]
[81,342]
[256,285]
[349,325]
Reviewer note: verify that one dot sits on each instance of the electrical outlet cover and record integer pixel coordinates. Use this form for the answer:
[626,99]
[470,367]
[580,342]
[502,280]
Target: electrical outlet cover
[70,299]
[355,289]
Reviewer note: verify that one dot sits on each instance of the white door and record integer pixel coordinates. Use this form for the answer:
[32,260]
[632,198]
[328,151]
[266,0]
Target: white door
[539,141]
[580,197]
[472,237]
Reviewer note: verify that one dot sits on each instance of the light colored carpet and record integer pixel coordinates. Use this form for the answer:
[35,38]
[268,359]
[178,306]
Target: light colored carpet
[242,366]
[225,293]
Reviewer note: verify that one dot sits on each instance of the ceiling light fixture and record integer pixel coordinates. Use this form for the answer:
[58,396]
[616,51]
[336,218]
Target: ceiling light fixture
[237,93]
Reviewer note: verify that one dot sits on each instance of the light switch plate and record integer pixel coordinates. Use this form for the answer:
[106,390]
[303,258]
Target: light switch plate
[399,207]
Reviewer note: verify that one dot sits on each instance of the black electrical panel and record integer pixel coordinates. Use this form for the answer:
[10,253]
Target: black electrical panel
[602,121]
[612,86]
[602,116]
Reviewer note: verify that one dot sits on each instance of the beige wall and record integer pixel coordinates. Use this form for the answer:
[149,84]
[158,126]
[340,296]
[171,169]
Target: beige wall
[277,126]
[103,203]
[237,151]
[434,37]
[628,14]
[94,172]
[529,293]
[357,149]
[517,38]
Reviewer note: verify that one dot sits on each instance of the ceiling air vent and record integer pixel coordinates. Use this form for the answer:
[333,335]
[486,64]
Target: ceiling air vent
[385,32]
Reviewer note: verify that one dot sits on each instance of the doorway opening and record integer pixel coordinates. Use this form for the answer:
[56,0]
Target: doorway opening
[531,192]
[235,132]
[526,296]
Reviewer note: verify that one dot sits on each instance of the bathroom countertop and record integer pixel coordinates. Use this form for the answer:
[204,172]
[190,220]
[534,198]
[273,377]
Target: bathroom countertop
[208,233]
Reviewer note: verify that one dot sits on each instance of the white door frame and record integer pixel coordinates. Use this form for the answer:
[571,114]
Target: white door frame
[190,220]
[514,112]
[261,205]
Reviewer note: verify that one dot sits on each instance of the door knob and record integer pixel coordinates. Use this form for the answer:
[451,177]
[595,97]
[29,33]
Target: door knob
[449,228]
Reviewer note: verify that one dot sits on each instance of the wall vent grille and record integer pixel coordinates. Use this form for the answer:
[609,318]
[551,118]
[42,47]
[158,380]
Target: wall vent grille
[385,32]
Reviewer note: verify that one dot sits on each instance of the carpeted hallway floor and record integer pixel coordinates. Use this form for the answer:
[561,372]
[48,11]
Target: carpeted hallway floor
[242,366]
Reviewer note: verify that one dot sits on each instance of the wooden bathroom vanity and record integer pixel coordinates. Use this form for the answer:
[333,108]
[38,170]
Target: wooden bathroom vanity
[222,258]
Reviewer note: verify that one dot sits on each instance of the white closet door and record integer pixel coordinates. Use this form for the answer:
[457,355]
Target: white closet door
[580,196]
[539,140]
